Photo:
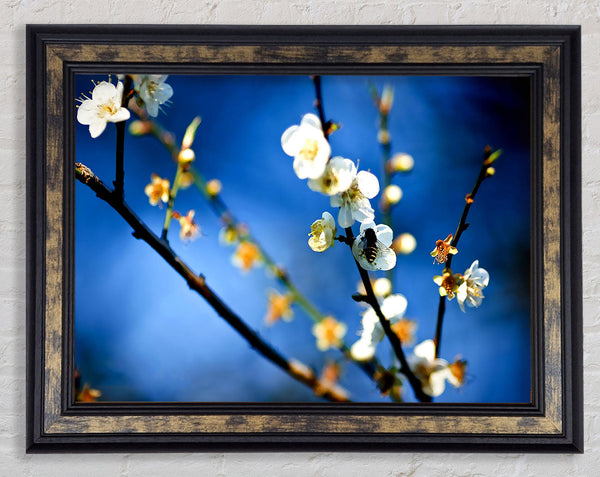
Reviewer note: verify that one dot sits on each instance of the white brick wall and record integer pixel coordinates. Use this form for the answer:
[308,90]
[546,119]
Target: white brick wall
[14,14]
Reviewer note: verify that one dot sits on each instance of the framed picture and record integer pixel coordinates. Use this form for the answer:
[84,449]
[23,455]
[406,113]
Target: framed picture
[294,238]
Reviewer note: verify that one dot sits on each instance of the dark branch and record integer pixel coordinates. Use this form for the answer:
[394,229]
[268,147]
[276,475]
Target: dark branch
[198,284]
[371,299]
[462,226]
[120,152]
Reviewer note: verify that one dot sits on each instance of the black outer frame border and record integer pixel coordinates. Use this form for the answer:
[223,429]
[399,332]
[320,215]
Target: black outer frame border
[567,36]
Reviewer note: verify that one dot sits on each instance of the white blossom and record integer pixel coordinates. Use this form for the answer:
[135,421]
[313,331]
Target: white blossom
[393,308]
[474,281]
[104,106]
[431,371]
[354,202]
[322,233]
[337,177]
[309,147]
[153,90]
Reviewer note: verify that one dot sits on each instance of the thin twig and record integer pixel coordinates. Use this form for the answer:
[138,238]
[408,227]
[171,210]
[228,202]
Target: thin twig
[197,283]
[462,226]
[120,152]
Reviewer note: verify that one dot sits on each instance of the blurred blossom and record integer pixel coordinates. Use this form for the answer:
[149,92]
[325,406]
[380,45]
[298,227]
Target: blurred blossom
[404,243]
[443,249]
[430,371]
[228,235]
[393,308]
[474,281]
[322,233]
[391,196]
[329,333]
[157,190]
[279,307]
[153,91]
[371,248]
[186,179]
[405,330]
[448,283]
[400,162]
[457,373]
[213,187]
[246,256]
[354,202]
[387,99]
[337,177]
[189,229]
[309,147]
[382,287]
[140,127]
[105,106]
[88,394]
[383,136]
[328,381]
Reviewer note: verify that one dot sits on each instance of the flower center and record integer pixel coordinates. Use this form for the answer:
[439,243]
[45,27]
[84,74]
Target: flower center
[310,149]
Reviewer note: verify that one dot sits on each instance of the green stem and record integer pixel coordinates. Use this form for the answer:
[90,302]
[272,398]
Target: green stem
[172,195]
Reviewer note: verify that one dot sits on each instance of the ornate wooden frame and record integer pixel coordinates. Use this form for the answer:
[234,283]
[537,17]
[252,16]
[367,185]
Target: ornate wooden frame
[548,55]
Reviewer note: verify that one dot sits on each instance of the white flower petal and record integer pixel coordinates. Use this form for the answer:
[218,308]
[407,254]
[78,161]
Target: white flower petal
[437,382]
[425,350]
[291,142]
[335,200]
[384,234]
[367,184]
[311,120]
[105,92]
[362,350]
[394,307]
[87,112]
[122,114]
[345,217]
[97,128]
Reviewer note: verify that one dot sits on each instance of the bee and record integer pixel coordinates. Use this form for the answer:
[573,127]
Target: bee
[371,253]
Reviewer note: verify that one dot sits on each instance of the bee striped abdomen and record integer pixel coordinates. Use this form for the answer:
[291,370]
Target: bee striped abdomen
[370,249]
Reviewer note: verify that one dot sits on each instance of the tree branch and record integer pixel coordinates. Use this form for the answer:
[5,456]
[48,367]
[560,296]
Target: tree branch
[462,226]
[120,151]
[295,369]
[371,299]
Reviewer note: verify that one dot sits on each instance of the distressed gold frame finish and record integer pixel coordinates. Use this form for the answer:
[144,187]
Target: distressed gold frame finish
[553,419]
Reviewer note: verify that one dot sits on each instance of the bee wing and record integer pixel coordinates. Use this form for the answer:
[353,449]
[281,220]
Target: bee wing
[385,259]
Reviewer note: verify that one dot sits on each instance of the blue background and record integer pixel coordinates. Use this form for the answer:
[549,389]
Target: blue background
[141,334]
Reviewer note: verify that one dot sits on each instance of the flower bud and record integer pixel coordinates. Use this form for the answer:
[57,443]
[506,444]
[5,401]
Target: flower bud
[140,128]
[190,133]
[490,171]
[404,244]
[186,156]
[213,187]
[400,162]
[383,136]
[392,194]
[382,287]
[387,99]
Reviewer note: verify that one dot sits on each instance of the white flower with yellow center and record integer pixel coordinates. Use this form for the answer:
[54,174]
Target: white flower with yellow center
[322,233]
[474,280]
[431,371]
[337,177]
[105,106]
[308,146]
[354,202]
[153,91]
[393,308]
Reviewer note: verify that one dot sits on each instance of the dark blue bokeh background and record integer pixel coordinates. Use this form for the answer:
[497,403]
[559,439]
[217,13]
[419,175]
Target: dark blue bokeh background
[141,334]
